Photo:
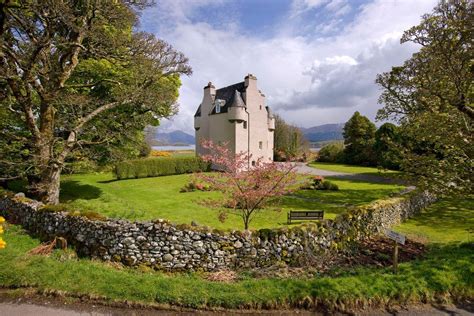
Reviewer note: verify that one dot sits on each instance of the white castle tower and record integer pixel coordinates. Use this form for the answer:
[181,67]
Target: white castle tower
[238,115]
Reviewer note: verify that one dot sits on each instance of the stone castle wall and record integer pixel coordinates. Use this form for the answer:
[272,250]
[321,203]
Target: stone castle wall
[163,245]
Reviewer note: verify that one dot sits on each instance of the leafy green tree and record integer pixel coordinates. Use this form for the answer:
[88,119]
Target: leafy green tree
[359,139]
[76,80]
[388,143]
[431,96]
[332,152]
[290,143]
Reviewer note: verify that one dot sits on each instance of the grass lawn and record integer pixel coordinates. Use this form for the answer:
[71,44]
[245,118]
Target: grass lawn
[350,168]
[159,197]
[448,220]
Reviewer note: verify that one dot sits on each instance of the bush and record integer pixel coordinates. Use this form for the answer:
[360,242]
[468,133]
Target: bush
[332,152]
[318,183]
[194,186]
[155,167]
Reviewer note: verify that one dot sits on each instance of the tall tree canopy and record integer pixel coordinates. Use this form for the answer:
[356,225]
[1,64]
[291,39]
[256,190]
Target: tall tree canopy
[431,95]
[76,77]
[290,143]
[359,138]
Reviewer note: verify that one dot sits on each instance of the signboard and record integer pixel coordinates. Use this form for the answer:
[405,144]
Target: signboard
[399,238]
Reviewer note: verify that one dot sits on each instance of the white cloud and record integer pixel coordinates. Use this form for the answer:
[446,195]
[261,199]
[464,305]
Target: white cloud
[308,80]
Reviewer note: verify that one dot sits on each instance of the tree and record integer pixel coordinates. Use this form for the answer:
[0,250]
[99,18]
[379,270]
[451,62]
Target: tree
[387,147]
[290,143]
[75,78]
[332,152]
[359,138]
[245,190]
[431,96]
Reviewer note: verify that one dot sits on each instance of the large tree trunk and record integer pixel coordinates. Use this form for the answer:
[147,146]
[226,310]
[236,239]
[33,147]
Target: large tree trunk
[46,186]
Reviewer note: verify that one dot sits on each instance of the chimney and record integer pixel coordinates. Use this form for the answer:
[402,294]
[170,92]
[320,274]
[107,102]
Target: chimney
[251,81]
[210,89]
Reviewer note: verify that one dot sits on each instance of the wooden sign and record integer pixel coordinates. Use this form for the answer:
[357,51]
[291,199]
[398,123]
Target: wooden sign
[399,238]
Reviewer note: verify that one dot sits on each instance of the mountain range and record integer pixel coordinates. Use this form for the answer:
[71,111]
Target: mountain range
[318,133]
[324,132]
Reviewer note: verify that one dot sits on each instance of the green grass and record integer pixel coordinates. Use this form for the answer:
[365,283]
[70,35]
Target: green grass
[159,197]
[351,168]
[448,220]
[446,272]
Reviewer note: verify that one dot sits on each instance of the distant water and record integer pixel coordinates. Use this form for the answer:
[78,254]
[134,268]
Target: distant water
[174,148]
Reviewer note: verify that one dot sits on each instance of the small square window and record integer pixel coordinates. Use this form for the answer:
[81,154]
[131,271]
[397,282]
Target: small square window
[260,145]
[245,125]
[253,163]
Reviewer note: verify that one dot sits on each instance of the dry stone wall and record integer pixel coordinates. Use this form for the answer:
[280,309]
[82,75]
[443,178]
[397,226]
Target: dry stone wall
[163,245]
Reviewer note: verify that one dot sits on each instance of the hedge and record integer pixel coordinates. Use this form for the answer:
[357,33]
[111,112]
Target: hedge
[155,167]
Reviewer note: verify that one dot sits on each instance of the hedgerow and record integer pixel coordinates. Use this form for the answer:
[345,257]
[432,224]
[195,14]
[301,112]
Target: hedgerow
[155,167]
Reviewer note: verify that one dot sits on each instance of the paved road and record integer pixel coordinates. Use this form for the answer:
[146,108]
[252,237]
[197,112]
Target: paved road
[30,309]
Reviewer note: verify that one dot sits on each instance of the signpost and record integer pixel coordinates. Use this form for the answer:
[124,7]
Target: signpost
[398,239]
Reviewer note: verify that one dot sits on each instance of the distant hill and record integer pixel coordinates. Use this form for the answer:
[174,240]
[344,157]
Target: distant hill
[173,138]
[324,132]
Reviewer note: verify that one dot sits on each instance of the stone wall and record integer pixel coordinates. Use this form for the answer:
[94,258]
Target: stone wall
[180,247]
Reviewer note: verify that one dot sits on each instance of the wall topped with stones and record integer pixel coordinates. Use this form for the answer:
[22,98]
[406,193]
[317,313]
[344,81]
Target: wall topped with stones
[163,245]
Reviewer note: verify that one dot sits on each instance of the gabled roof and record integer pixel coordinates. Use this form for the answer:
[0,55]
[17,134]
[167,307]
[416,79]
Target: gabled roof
[228,94]
[198,112]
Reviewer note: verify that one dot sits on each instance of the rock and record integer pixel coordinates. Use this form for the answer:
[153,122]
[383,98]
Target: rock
[238,244]
[141,238]
[193,223]
[167,257]
[20,195]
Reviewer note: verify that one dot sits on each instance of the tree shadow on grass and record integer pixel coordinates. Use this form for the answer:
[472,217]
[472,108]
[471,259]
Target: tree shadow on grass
[447,214]
[73,190]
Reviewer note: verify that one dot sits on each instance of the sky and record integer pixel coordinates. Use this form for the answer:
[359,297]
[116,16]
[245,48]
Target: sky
[315,60]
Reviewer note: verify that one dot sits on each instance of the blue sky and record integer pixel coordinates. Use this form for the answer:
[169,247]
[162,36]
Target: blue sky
[315,60]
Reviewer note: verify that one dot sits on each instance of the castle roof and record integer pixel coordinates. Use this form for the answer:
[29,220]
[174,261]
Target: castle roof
[231,95]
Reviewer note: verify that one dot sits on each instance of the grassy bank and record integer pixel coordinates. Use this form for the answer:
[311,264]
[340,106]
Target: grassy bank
[447,272]
[159,197]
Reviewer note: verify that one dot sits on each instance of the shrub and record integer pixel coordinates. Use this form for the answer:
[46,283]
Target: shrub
[332,152]
[318,183]
[194,186]
[155,167]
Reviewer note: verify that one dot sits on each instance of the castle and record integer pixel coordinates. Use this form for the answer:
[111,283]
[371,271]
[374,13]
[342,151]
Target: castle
[238,115]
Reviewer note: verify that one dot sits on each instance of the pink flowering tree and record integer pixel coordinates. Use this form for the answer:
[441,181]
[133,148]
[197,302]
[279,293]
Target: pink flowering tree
[246,188]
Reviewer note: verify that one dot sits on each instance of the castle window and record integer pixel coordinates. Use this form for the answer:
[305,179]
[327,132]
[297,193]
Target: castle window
[260,107]
[245,125]
[253,163]
[260,145]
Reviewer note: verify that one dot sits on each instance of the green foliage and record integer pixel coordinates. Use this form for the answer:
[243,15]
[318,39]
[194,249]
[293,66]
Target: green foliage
[359,138]
[289,142]
[333,152]
[388,142]
[431,95]
[154,167]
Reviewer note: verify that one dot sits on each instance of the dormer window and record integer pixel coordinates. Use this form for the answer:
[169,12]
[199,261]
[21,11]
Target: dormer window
[218,108]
